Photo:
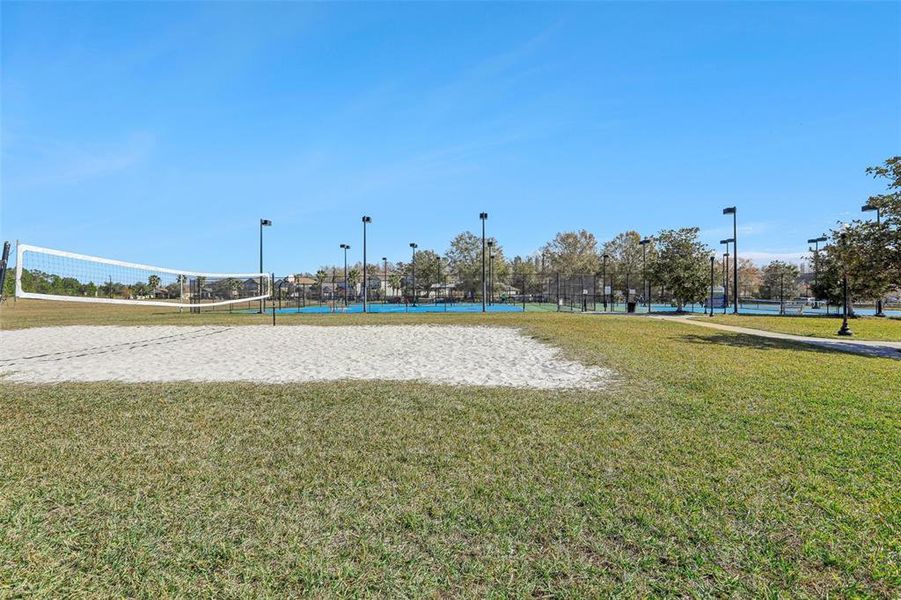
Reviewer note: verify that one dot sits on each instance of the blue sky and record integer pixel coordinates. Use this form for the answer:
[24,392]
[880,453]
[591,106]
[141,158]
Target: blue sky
[162,132]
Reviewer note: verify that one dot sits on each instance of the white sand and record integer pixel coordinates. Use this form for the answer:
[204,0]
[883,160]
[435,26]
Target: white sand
[490,356]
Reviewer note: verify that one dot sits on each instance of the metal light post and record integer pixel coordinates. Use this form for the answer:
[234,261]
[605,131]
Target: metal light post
[867,208]
[414,246]
[644,268]
[732,211]
[816,267]
[365,271]
[483,217]
[385,263]
[844,330]
[712,260]
[726,274]
[263,223]
[725,282]
[604,281]
[782,292]
[345,247]
[490,272]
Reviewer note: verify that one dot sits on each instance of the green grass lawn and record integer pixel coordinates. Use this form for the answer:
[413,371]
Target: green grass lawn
[718,465]
[864,328]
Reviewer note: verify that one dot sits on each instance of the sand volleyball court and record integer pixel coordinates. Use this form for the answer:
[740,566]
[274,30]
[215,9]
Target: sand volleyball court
[489,356]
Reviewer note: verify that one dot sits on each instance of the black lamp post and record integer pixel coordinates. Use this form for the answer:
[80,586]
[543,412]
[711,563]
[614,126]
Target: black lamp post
[483,217]
[366,220]
[385,263]
[345,247]
[604,281]
[844,330]
[726,273]
[816,267]
[414,246]
[644,268]
[868,208]
[263,223]
[732,211]
[782,292]
[490,272]
[712,260]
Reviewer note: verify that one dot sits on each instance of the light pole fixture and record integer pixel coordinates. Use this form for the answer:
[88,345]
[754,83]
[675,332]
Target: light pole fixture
[732,211]
[604,282]
[414,246]
[366,221]
[644,267]
[483,216]
[816,268]
[844,330]
[870,207]
[263,223]
[385,263]
[867,208]
[345,247]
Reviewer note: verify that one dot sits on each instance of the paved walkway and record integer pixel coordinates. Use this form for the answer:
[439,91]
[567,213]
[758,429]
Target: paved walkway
[867,347]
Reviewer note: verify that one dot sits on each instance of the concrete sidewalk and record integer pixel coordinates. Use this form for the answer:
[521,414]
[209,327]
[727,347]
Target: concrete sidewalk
[866,347]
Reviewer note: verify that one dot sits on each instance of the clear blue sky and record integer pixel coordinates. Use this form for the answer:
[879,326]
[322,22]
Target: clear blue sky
[162,132]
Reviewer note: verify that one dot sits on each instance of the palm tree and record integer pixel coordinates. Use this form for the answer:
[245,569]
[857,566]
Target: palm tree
[353,277]
[154,282]
[395,280]
[321,276]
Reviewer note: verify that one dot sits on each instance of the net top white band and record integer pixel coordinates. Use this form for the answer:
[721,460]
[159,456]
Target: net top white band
[22,248]
[262,292]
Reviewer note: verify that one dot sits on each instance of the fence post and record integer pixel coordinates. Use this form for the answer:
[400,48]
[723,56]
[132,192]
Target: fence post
[558,291]
[4,260]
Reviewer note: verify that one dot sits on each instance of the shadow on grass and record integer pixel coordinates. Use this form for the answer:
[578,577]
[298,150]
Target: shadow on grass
[740,340]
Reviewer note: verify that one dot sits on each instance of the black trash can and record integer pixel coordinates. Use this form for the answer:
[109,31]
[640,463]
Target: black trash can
[630,307]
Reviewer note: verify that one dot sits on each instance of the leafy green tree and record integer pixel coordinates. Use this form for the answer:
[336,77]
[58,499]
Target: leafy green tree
[353,278]
[874,248]
[464,261]
[780,279]
[428,270]
[395,280]
[681,264]
[153,281]
[573,253]
[525,276]
[624,265]
[750,277]
[828,283]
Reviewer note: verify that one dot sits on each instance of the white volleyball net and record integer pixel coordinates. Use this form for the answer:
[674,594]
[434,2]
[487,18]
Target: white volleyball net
[46,274]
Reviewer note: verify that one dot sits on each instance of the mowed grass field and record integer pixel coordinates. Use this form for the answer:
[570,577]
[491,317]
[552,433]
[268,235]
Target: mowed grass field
[864,328]
[718,465]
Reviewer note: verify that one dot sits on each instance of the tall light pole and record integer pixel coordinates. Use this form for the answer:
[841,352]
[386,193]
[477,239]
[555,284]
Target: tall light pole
[490,272]
[345,247]
[732,211]
[483,217]
[263,223]
[844,330]
[414,246]
[726,255]
[366,220]
[816,268]
[712,260]
[644,268]
[867,208]
[385,263]
[604,281]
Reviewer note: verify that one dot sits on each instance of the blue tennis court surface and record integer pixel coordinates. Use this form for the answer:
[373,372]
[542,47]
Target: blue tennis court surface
[423,307]
[754,308]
